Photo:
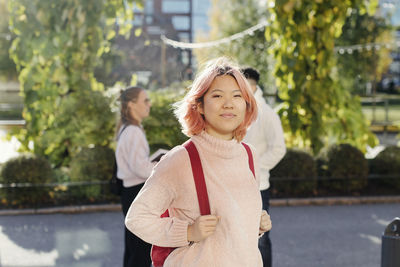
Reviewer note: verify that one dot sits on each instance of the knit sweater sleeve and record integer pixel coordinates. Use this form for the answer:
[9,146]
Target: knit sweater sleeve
[143,218]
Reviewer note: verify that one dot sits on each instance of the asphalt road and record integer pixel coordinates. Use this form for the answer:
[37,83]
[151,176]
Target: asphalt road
[302,236]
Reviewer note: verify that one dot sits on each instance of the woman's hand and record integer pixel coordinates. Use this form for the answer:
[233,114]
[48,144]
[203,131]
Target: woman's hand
[203,227]
[265,222]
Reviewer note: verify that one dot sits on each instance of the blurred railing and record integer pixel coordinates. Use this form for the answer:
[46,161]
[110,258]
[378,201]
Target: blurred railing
[28,195]
[383,112]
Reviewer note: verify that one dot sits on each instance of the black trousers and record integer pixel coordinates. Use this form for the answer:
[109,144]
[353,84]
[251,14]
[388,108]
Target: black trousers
[264,243]
[137,252]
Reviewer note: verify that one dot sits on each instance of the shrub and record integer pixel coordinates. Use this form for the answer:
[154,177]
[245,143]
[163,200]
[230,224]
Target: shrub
[91,165]
[387,163]
[294,174]
[344,167]
[17,173]
[162,128]
[76,125]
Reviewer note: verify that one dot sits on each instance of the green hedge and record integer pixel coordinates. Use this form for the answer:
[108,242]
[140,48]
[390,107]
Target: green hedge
[295,174]
[91,165]
[343,168]
[18,173]
[387,165]
[162,128]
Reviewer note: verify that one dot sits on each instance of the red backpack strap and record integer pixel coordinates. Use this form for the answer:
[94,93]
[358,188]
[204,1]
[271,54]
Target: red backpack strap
[198,176]
[159,254]
[250,155]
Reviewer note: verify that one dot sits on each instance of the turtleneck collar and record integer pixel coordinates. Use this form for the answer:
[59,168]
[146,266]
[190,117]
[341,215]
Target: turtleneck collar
[217,146]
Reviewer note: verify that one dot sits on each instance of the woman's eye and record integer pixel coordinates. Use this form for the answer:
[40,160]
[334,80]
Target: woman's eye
[216,96]
[237,95]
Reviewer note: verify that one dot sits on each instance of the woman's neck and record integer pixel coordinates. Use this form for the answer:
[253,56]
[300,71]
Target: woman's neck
[227,137]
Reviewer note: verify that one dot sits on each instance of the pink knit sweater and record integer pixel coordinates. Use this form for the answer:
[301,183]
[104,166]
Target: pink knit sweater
[233,194]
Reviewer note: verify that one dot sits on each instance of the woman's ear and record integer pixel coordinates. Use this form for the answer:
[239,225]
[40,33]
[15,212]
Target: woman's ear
[200,108]
[129,106]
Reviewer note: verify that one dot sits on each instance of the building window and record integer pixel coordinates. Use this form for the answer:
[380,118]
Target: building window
[175,6]
[181,22]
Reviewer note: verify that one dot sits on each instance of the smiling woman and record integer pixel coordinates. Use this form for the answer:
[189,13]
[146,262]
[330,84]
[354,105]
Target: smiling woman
[217,73]
[223,107]
[215,114]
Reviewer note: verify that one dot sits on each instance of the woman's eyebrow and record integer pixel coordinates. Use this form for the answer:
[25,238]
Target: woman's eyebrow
[216,90]
[219,90]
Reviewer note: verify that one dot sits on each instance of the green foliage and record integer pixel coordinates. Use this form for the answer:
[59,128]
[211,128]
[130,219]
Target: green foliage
[105,69]
[90,165]
[24,169]
[295,174]
[13,114]
[90,123]
[7,67]
[315,110]
[345,167]
[230,17]
[162,128]
[360,67]
[387,162]
[56,50]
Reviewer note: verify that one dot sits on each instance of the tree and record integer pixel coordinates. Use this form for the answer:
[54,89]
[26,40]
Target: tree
[230,17]
[316,110]
[357,67]
[7,67]
[57,47]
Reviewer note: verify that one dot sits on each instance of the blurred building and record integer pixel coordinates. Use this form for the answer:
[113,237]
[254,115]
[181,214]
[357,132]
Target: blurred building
[390,82]
[154,63]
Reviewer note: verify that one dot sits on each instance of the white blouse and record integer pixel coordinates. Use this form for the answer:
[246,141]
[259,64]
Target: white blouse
[132,154]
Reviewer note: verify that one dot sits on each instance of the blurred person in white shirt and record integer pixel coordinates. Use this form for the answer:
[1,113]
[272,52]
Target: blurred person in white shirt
[266,135]
[133,165]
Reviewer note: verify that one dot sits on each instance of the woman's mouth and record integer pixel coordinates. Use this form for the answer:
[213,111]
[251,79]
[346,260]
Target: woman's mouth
[228,115]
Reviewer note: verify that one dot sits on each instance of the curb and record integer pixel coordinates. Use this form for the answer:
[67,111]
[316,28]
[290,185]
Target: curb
[328,201]
[322,201]
[64,209]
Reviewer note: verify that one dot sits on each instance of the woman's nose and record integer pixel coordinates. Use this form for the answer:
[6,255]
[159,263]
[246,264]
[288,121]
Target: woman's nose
[228,103]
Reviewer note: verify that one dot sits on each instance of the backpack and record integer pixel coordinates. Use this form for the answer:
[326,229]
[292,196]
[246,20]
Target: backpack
[115,182]
[159,254]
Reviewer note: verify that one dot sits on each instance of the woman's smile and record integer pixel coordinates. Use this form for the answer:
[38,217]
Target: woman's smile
[228,115]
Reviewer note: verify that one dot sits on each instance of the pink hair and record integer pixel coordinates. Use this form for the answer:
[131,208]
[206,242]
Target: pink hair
[186,110]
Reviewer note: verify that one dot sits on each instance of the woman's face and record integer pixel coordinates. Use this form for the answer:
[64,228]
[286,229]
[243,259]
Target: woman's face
[223,107]
[140,109]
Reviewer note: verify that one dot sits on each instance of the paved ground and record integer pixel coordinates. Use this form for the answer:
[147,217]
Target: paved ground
[302,236]
[330,236]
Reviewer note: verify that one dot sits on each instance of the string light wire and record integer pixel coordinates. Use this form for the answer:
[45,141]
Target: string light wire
[250,31]
[226,40]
